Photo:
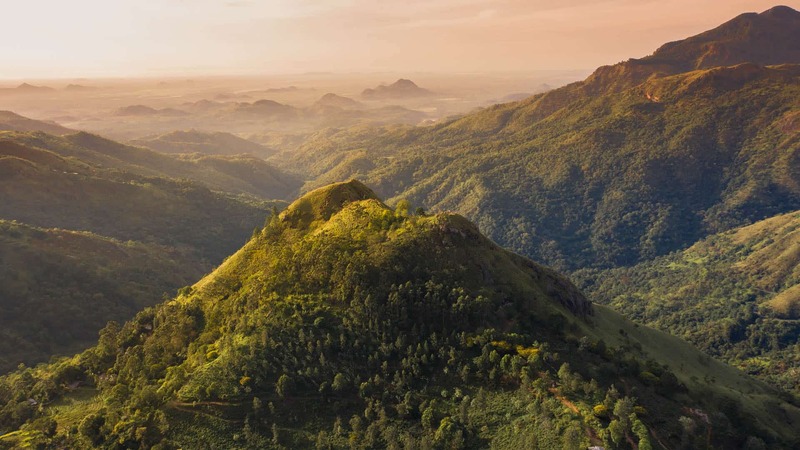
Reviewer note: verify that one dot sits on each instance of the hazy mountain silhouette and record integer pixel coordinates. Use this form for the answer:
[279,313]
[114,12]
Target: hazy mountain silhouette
[400,89]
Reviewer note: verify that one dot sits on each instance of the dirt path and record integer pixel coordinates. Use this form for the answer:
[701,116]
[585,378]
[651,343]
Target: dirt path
[564,401]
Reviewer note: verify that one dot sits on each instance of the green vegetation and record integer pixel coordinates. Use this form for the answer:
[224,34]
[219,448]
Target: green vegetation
[140,236]
[344,323]
[58,287]
[733,295]
[10,121]
[49,189]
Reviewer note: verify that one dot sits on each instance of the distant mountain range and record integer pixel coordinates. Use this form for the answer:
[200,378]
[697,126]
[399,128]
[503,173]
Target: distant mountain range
[26,89]
[400,89]
[142,110]
[330,110]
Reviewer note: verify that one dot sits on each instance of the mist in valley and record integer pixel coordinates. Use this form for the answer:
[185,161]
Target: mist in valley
[273,111]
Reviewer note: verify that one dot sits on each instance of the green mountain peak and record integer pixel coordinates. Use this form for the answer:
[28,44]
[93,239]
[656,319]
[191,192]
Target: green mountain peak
[322,203]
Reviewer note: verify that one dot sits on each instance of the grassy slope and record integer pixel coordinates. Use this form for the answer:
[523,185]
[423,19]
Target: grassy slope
[10,121]
[732,294]
[42,188]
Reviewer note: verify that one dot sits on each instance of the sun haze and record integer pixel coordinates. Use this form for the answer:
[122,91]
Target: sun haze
[54,39]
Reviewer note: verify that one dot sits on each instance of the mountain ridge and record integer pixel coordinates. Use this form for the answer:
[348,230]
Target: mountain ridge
[768,38]
[566,175]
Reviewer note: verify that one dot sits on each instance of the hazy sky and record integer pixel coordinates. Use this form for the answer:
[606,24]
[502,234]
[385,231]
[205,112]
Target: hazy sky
[88,38]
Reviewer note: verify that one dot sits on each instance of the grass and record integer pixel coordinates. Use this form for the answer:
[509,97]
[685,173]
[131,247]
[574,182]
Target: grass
[70,409]
[702,374]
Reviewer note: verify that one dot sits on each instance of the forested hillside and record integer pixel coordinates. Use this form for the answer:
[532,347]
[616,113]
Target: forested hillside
[735,295]
[386,328]
[95,239]
[59,287]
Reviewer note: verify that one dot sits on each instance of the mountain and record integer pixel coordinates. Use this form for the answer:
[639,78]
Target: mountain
[337,101]
[202,106]
[194,141]
[10,121]
[265,108]
[26,88]
[622,167]
[136,110]
[769,38]
[59,287]
[735,295]
[240,174]
[346,323]
[144,111]
[401,88]
[79,88]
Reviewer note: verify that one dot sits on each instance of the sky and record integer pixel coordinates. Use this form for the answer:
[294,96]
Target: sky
[115,38]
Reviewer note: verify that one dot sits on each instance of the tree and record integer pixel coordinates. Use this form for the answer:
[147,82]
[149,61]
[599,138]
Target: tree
[339,382]
[276,438]
[617,431]
[284,386]
[402,208]
[91,426]
[427,418]
[641,432]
